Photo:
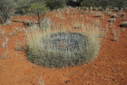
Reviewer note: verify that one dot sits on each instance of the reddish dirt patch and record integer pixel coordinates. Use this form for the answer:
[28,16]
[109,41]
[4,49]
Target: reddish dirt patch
[109,68]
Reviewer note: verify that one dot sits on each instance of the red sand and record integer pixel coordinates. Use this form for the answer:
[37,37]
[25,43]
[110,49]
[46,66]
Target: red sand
[109,68]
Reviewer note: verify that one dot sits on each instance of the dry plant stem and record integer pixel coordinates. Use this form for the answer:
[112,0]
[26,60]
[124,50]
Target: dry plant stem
[116,34]
[41,81]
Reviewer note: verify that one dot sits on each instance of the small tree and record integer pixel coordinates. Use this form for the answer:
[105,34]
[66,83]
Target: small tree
[6,7]
[38,9]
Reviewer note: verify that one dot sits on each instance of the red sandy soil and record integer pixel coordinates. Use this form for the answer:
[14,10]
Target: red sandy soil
[109,68]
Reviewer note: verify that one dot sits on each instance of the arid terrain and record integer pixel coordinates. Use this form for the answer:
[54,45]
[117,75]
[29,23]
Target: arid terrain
[109,68]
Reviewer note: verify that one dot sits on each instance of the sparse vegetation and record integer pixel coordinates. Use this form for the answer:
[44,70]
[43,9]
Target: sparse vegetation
[11,7]
[58,42]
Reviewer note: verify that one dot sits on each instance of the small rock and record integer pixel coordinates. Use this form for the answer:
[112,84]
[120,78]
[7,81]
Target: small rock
[123,24]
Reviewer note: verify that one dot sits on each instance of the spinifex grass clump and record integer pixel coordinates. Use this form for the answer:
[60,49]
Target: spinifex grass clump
[62,48]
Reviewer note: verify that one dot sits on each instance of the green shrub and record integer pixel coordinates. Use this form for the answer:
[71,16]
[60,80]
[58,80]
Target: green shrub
[55,4]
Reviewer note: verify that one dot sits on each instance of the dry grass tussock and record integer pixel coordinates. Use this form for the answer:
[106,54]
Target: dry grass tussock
[66,48]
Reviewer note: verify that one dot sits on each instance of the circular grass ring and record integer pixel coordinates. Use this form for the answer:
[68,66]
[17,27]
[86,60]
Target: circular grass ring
[63,49]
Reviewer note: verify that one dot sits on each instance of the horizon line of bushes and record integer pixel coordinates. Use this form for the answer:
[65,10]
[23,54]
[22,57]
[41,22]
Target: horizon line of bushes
[23,7]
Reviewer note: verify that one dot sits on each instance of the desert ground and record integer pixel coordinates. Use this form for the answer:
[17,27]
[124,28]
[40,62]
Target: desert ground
[109,67]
